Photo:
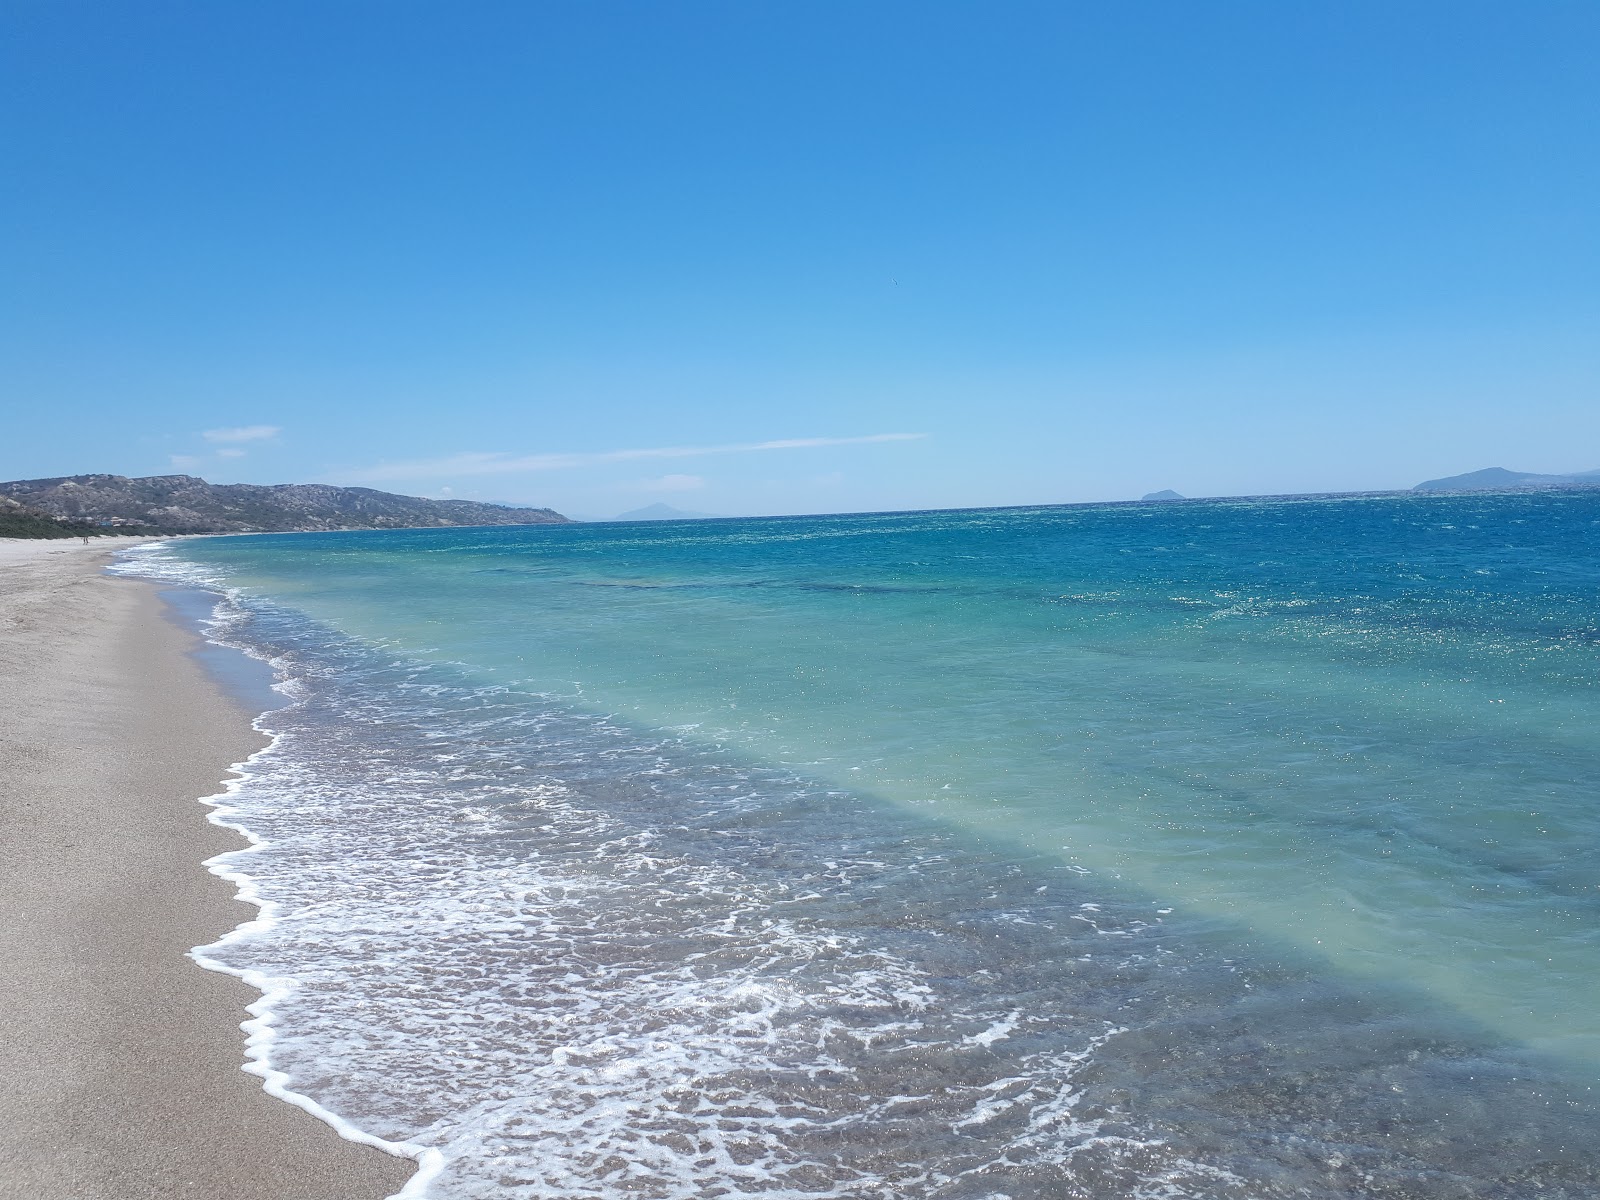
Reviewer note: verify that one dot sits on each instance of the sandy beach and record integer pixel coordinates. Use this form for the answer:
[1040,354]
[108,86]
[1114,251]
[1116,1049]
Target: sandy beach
[120,1066]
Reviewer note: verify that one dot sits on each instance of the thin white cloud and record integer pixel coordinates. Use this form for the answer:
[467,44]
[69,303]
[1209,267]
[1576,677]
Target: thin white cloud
[185,462]
[672,483]
[507,464]
[230,452]
[244,433]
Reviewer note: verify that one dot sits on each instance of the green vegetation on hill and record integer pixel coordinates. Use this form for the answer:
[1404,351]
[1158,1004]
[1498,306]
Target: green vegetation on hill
[19,521]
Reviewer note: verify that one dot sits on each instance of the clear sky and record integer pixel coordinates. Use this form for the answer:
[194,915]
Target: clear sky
[766,256]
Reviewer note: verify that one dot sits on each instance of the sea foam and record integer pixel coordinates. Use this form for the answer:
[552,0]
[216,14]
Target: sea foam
[545,955]
[608,863]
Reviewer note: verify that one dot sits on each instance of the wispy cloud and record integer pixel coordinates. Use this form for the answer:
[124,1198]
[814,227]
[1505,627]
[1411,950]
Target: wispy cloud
[244,433]
[672,483]
[506,464]
[185,462]
[230,452]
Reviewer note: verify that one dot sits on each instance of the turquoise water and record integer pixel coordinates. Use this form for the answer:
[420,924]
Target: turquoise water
[1228,848]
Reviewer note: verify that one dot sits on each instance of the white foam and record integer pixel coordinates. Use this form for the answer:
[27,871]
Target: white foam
[467,961]
[996,1032]
[150,560]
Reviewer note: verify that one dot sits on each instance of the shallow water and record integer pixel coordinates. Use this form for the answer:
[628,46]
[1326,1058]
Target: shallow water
[1208,849]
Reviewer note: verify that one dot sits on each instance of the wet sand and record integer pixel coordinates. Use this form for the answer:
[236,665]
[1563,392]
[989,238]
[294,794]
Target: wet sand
[120,1058]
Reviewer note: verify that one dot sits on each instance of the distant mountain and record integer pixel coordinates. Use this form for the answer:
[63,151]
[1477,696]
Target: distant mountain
[1166,494]
[1498,479]
[185,504]
[661,512]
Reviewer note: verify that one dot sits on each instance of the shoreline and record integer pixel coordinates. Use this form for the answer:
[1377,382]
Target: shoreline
[121,1072]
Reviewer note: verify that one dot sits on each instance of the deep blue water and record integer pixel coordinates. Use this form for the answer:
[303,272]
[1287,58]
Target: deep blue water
[1214,849]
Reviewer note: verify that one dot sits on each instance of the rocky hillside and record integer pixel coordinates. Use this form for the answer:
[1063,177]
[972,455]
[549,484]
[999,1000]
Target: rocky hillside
[185,504]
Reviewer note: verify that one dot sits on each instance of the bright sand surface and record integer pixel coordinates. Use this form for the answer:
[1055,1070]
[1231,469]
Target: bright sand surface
[119,1057]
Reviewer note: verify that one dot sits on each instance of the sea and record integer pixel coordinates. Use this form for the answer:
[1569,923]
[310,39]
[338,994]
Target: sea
[1213,849]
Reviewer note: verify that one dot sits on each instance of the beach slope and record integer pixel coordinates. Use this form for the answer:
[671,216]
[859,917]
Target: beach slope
[119,1068]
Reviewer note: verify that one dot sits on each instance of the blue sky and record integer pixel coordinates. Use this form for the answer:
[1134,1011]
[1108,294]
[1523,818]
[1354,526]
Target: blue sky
[798,257]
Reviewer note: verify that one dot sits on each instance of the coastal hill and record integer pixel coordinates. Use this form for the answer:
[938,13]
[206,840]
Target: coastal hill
[1495,479]
[186,504]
